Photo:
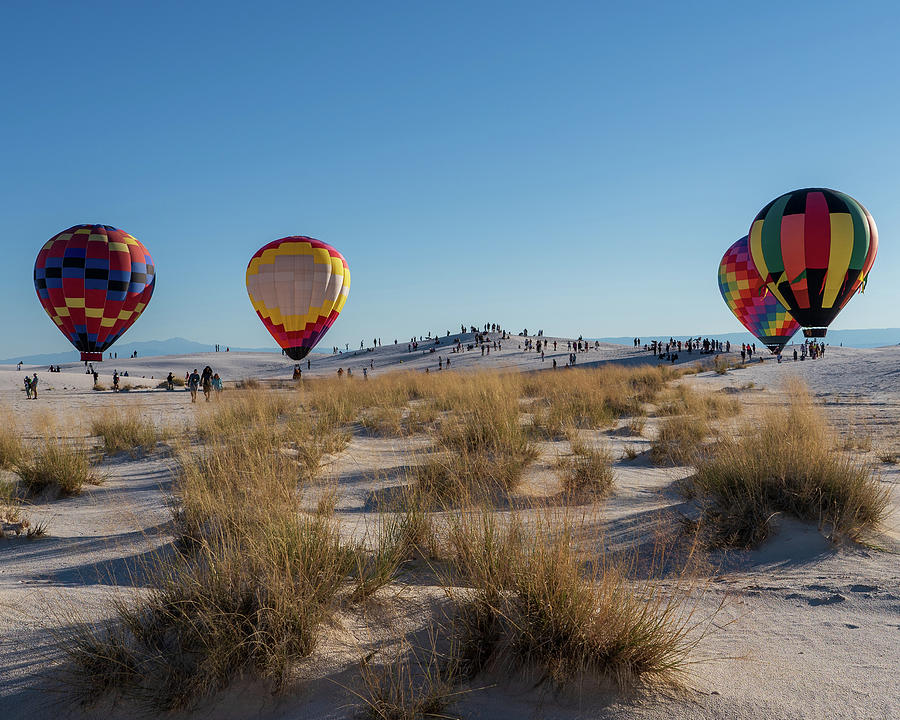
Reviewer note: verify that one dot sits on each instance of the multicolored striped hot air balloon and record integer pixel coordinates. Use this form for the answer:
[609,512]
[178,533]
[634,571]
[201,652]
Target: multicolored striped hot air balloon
[814,249]
[298,286]
[746,295]
[94,281]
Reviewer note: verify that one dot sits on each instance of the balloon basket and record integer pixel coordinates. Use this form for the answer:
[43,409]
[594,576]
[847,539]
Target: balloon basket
[92,357]
[814,332]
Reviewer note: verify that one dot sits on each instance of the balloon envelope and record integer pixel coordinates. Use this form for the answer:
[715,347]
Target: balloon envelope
[298,286]
[814,249]
[745,294]
[94,281]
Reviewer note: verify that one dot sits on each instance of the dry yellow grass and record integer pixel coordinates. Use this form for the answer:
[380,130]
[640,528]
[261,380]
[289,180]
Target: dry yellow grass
[587,475]
[258,574]
[56,466]
[11,448]
[788,462]
[541,605]
[125,430]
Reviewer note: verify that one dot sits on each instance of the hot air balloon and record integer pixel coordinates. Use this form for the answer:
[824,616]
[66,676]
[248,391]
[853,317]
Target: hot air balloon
[814,249]
[746,295]
[298,286]
[94,281]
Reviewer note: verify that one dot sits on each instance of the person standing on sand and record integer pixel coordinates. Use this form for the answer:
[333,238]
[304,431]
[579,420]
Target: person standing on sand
[28,387]
[34,384]
[115,381]
[194,384]
[170,382]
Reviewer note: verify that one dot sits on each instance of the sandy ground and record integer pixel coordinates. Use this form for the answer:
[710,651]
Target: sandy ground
[807,630]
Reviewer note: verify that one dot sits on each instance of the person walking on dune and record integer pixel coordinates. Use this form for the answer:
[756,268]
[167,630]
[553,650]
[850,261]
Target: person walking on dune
[194,384]
[206,381]
[217,385]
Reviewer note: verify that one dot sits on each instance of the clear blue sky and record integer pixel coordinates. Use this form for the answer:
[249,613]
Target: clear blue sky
[577,167]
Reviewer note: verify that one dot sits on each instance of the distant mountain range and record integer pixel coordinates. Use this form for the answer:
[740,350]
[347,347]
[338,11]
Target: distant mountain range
[180,346]
[150,348]
[878,337]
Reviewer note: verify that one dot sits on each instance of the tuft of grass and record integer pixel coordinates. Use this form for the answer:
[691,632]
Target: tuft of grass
[99,387]
[630,452]
[57,467]
[636,425]
[397,539]
[889,457]
[535,606]
[710,406]
[313,441]
[722,365]
[384,421]
[413,683]
[679,440]
[241,413]
[11,448]
[254,583]
[125,431]
[587,474]
[857,441]
[787,462]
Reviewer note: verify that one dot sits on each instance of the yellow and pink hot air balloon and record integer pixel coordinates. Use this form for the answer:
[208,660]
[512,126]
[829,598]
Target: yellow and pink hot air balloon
[298,287]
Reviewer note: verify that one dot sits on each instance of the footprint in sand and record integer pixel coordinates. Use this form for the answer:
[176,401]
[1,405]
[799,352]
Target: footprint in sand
[830,600]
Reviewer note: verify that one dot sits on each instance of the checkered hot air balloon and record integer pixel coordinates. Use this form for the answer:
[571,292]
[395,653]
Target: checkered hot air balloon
[94,281]
[814,249]
[746,296]
[298,286]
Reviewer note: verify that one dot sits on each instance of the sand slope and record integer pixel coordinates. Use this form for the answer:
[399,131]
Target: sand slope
[807,630]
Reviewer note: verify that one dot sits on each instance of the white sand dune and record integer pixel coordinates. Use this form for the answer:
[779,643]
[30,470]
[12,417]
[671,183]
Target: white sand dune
[808,630]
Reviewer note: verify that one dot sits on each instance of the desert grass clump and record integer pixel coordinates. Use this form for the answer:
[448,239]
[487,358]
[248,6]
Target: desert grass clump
[587,474]
[710,406]
[636,425]
[56,467]
[482,449]
[249,603]
[788,462]
[414,683]
[242,411]
[630,452]
[679,440]
[11,447]
[125,430]
[253,582]
[384,421]
[398,537]
[455,478]
[539,605]
[313,439]
[591,398]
